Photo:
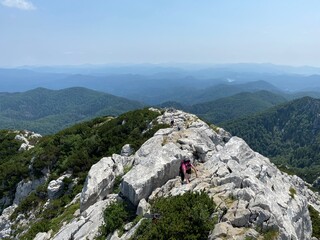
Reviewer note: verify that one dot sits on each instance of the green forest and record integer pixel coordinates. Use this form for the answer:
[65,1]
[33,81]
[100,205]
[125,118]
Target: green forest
[47,111]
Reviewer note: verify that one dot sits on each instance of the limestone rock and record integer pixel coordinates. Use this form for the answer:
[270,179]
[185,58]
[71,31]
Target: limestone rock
[26,137]
[156,165]
[99,182]
[86,226]
[24,188]
[143,208]
[43,236]
[125,161]
[225,231]
[55,187]
[5,223]
[126,150]
[5,201]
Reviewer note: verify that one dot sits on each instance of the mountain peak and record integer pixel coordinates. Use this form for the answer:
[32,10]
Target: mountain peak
[252,196]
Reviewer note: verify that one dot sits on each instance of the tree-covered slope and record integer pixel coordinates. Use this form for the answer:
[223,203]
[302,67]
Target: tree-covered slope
[232,107]
[47,111]
[289,134]
[223,90]
[72,150]
[236,106]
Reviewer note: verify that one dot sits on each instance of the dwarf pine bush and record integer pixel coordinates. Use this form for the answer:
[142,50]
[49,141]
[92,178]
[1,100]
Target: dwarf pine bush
[179,217]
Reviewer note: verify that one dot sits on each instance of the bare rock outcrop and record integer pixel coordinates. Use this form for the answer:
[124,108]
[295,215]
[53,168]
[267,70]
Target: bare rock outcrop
[99,182]
[55,187]
[248,189]
[87,224]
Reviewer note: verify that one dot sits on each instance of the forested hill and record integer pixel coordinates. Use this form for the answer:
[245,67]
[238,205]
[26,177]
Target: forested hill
[47,111]
[232,107]
[289,134]
[236,106]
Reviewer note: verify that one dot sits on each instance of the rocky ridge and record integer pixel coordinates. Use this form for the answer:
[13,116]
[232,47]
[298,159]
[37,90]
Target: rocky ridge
[251,194]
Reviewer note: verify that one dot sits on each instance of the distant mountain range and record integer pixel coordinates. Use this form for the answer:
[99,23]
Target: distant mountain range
[155,84]
[47,111]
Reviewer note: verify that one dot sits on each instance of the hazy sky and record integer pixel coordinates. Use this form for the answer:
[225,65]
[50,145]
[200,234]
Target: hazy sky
[45,32]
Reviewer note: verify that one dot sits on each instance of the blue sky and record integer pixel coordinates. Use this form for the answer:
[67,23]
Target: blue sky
[59,32]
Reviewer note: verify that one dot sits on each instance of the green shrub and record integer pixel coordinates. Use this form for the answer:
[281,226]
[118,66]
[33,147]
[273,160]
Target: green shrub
[26,205]
[116,186]
[270,234]
[315,219]
[66,216]
[180,217]
[115,217]
[40,226]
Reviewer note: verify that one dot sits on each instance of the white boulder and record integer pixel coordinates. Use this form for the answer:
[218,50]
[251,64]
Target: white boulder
[99,182]
[55,187]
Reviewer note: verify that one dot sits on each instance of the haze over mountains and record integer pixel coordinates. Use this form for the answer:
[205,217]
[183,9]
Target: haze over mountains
[216,93]
[154,84]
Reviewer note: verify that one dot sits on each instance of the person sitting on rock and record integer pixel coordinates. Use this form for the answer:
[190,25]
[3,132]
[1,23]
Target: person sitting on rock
[185,170]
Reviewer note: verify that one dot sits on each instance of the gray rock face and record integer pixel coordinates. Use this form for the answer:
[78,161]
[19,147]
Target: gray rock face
[24,188]
[5,223]
[55,187]
[100,181]
[43,236]
[4,202]
[125,161]
[86,226]
[126,150]
[251,192]
[156,164]
[143,208]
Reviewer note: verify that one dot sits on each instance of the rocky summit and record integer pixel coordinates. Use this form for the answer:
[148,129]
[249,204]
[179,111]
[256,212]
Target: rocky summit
[250,193]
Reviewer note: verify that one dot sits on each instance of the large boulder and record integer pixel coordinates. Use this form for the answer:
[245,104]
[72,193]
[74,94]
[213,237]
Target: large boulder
[156,164]
[56,187]
[126,150]
[100,181]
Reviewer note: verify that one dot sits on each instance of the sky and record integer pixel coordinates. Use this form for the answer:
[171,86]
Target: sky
[73,32]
